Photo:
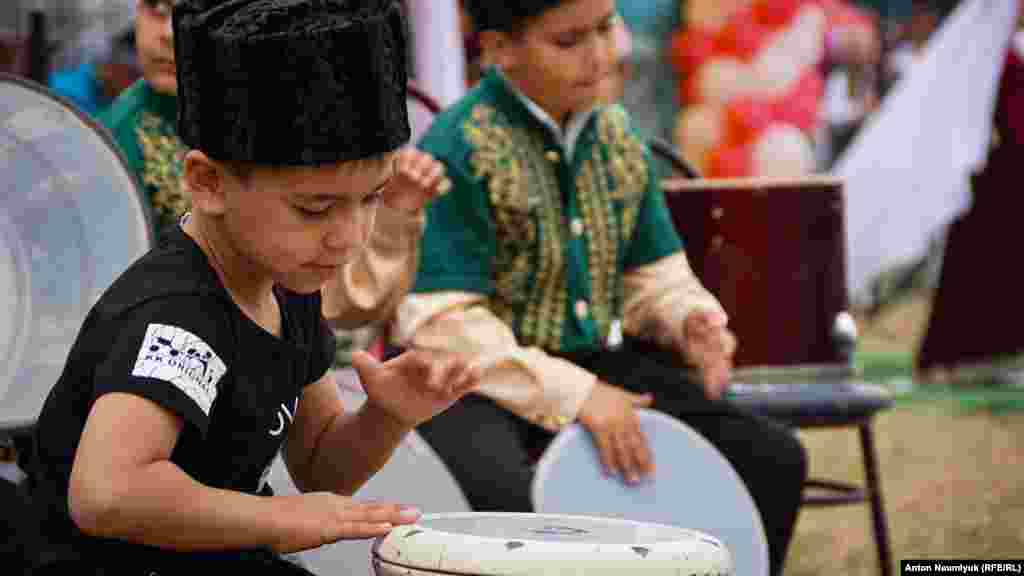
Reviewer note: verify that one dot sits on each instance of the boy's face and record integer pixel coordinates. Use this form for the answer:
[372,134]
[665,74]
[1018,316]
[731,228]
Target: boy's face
[155,44]
[562,57]
[301,225]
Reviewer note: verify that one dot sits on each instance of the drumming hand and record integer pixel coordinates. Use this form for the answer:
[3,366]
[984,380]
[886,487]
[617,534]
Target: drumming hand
[710,346]
[415,386]
[323,518]
[609,415]
[418,179]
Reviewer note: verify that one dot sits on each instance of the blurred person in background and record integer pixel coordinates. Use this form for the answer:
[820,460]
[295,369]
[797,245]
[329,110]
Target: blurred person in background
[143,119]
[109,67]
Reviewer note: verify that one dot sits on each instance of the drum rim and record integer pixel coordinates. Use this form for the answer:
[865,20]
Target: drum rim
[694,536]
[23,283]
[546,462]
[98,129]
[673,185]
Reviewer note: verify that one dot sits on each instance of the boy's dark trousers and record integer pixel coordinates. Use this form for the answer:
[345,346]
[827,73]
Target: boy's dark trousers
[490,451]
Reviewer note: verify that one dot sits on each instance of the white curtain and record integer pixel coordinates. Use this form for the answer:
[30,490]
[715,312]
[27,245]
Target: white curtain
[437,48]
[907,173]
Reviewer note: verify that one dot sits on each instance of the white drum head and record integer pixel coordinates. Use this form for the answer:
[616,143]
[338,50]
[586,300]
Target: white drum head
[71,220]
[504,544]
[694,486]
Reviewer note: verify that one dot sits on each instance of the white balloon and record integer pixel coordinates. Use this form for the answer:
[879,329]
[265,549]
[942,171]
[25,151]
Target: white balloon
[773,73]
[809,29]
[789,53]
[699,130]
[723,79]
[783,151]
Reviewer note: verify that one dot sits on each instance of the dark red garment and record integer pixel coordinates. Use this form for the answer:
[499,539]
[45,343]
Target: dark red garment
[977,313]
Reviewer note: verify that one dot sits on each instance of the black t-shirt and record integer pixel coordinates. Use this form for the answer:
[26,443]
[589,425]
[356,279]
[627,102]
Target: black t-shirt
[168,331]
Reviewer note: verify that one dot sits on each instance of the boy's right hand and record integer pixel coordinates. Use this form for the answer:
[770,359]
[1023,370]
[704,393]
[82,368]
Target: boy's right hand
[418,179]
[325,518]
[609,414]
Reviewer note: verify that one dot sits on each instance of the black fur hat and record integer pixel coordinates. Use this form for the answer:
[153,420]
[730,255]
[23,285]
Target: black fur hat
[504,15]
[291,82]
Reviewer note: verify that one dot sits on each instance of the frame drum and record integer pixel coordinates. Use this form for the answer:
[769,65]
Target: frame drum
[507,544]
[71,221]
[693,486]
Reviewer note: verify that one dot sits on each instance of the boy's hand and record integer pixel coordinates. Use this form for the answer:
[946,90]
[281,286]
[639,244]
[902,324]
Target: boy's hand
[417,385]
[609,414]
[324,518]
[418,179]
[710,346]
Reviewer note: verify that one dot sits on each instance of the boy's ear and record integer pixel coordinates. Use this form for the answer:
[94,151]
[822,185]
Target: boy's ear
[206,180]
[496,49]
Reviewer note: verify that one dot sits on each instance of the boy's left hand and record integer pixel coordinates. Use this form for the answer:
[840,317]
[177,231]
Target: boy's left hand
[418,179]
[416,385]
[710,346]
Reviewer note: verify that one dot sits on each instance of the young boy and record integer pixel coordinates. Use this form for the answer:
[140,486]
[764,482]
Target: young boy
[143,118]
[209,355]
[554,244]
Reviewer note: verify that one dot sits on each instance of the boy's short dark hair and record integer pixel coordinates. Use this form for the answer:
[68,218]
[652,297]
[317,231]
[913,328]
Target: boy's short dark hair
[505,15]
[291,82]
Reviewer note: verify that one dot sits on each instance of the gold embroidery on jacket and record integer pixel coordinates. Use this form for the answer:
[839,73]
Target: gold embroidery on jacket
[524,193]
[601,225]
[545,313]
[627,164]
[163,156]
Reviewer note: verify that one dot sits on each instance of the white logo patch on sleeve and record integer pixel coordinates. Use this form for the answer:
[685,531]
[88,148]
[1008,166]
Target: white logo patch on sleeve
[182,359]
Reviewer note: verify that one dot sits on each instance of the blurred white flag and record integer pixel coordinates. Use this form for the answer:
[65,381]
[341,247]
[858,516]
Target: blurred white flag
[907,173]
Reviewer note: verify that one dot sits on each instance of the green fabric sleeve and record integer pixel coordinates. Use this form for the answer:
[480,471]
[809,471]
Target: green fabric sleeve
[655,236]
[458,245]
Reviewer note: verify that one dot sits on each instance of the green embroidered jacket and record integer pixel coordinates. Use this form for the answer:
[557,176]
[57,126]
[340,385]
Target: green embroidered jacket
[544,233]
[144,124]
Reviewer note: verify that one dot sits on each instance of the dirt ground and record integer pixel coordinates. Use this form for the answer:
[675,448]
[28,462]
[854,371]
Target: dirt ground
[951,483]
[951,478]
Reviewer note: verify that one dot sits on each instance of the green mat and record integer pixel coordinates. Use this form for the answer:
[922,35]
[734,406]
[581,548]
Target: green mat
[996,387]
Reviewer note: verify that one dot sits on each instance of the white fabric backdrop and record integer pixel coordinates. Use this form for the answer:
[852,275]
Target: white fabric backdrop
[437,48]
[907,173]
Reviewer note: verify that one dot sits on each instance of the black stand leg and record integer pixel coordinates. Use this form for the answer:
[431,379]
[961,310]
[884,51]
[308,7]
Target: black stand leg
[867,444]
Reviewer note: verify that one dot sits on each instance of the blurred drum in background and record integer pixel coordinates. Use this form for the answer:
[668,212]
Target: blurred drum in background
[507,544]
[774,253]
[693,487]
[71,221]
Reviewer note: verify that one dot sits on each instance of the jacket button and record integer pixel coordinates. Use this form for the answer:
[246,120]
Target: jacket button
[576,227]
[582,309]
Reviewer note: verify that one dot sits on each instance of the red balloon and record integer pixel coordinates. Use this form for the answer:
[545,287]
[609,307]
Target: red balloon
[689,89]
[743,37]
[690,48]
[730,162]
[746,118]
[776,14]
[809,89]
[800,105]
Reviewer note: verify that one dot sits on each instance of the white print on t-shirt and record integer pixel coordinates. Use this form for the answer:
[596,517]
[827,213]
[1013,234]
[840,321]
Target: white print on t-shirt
[282,414]
[182,359]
